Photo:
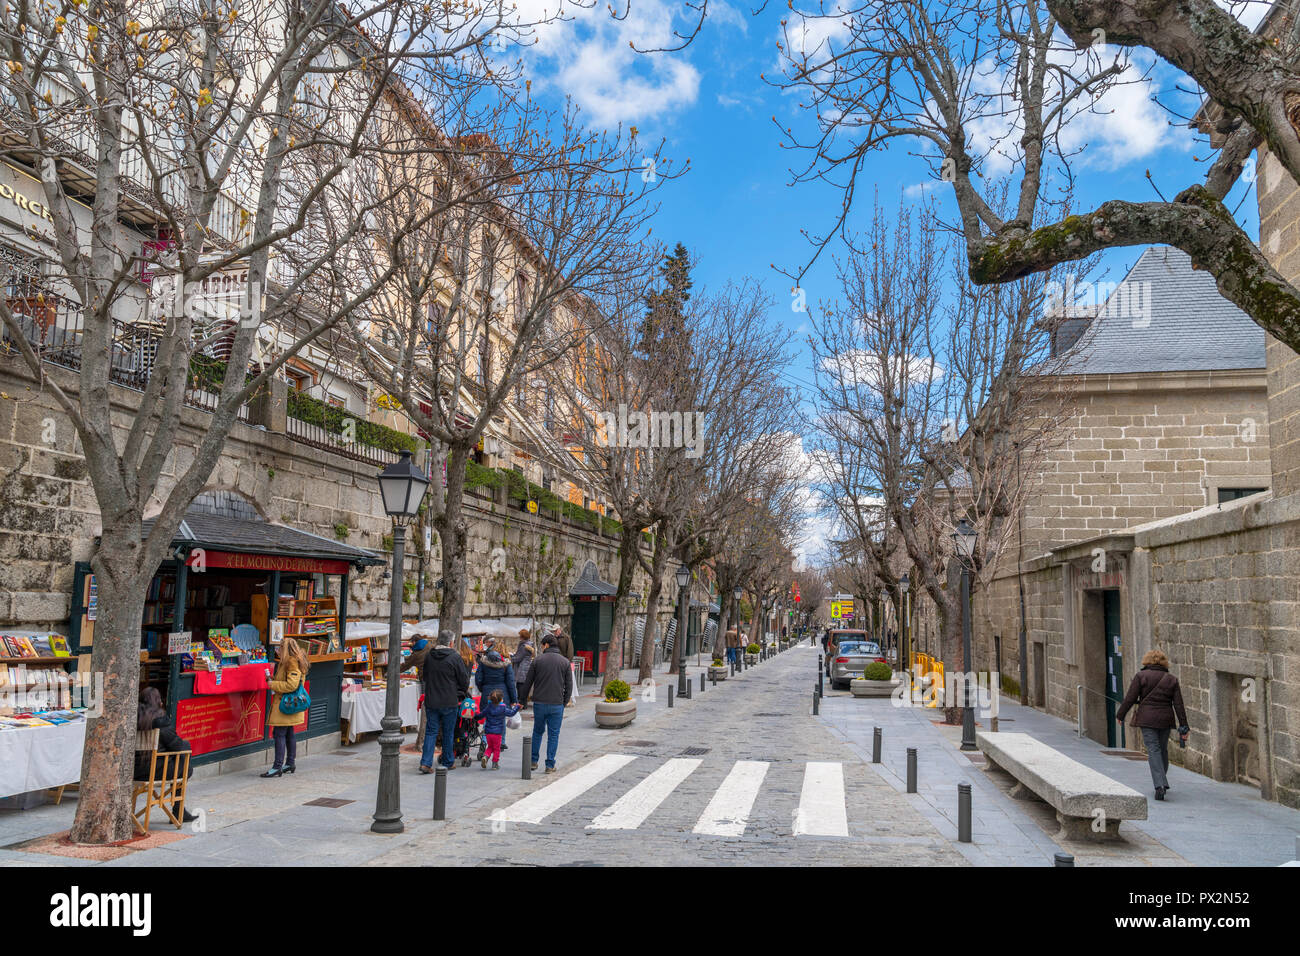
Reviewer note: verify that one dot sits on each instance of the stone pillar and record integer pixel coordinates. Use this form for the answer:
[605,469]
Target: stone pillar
[270,406]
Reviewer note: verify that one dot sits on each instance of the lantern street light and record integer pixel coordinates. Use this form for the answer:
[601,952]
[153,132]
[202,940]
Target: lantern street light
[683,579]
[904,657]
[964,543]
[402,486]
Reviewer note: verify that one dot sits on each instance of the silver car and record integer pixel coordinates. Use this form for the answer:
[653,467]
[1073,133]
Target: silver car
[852,659]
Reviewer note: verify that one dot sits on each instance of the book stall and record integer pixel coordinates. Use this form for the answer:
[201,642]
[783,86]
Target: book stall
[42,716]
[365,680]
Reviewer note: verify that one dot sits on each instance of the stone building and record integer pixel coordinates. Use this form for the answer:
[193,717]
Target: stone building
[1169,519]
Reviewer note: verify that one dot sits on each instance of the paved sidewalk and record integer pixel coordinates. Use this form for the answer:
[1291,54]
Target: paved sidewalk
[1203,822]
[248,821]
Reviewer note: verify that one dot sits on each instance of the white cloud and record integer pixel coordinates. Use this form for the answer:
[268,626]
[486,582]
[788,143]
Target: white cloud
[587,56]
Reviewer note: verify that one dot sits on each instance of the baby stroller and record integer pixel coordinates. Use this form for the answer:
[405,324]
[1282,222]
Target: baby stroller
[469,733]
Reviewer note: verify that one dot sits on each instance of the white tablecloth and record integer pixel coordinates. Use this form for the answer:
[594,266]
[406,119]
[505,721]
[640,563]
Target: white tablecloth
[364,709]
[36,758]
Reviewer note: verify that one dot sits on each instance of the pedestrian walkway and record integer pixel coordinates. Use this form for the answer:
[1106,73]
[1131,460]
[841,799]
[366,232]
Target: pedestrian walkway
[1204,822]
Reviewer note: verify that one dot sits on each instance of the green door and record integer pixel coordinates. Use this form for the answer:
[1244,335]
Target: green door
[1114,670]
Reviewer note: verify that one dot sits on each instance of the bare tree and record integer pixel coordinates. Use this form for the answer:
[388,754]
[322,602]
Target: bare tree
[937,396]
[536,219]
[999,88]
[181,130]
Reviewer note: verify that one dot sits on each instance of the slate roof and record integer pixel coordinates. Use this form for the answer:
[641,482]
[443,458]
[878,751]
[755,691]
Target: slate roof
[589,584]
[201,529]
[1165,316]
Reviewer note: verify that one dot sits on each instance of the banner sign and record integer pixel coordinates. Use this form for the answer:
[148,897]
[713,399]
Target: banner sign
[264,562]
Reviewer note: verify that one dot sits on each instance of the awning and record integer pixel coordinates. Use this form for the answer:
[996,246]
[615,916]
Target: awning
[228,542]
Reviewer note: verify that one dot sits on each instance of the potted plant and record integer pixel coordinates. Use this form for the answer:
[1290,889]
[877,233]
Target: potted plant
[876,681]
[751,654]
[718,669]
[618,709]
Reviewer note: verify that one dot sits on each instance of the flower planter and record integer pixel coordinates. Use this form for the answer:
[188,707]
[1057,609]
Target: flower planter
[717,673]
[614,715]
[872,688]
[751,658]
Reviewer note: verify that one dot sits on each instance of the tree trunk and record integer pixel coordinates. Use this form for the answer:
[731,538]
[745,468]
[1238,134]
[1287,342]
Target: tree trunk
[626,567]
[455,541]
[652,615]
[107,763]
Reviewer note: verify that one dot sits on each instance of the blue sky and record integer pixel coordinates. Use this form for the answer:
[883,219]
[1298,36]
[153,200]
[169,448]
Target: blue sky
[735,209]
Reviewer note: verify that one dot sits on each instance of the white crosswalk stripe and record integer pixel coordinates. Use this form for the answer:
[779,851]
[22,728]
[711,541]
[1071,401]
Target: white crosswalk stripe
[728,811]
[822,810]
[632,809]
[539,805]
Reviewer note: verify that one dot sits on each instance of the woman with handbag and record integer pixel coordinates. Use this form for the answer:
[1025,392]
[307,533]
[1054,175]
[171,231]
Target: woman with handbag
[289,703]
[1159,699]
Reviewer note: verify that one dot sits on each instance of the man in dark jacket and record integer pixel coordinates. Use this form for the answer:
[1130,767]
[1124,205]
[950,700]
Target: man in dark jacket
[550,684]
[446,684]
[1159,699]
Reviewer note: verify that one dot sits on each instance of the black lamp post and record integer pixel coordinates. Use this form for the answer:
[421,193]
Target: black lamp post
[904,662]
[964,539]
[402,486]
[736,593]
[683,579]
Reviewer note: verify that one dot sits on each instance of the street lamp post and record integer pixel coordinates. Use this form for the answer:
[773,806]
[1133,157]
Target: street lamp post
[402,486]
[736,593]
[683,579]
[904,661]
[964,539]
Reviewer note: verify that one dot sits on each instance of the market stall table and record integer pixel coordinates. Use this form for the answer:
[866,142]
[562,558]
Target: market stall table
[38,758]
[364,709]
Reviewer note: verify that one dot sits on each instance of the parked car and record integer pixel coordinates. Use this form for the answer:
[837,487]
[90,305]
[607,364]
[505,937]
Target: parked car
[851,659]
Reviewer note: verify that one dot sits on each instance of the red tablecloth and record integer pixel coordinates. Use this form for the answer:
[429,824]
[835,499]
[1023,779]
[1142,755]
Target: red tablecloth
[234,680]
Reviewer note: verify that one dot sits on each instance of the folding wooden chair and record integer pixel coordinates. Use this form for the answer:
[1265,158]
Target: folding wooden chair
[169,774]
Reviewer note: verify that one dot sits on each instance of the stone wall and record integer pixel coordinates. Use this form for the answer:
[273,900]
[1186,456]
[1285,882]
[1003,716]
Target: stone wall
[49,517]
[1279,231]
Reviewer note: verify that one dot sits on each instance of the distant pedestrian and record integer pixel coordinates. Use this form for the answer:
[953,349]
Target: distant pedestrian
[564,643]
[550,685]
[289,676]
[495,711]
[733,644]
[446,684]
[1159,700]
[415,661]
[522,660]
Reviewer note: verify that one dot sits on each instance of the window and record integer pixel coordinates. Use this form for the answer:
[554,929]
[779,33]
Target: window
[298,381]
[1232,494]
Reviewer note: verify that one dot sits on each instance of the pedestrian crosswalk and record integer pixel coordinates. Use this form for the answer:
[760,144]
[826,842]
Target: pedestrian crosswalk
[822,804]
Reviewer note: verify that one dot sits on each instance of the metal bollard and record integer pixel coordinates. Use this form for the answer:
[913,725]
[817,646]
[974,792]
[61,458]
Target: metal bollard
[440,793]
[911,770]
[1063,859]
[816,703]
[528,757]
[689,694]
[702,681]
[875,745]
[963,813]
[670,696]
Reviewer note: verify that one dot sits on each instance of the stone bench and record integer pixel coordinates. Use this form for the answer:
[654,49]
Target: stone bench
[1080,795]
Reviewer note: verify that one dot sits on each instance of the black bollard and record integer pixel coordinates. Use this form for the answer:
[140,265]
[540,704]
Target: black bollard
[875,745]
[816,703]
[963,813]
[528,758]
[1063,859]
[670,696]
[911,770]
[440,793]
[702,688]
[689,695]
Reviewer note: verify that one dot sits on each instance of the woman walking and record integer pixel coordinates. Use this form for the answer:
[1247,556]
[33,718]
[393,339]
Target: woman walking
[1159,699]
[289,676]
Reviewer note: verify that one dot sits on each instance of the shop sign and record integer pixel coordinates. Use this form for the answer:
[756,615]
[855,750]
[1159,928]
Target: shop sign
[221,721]
[264,562]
